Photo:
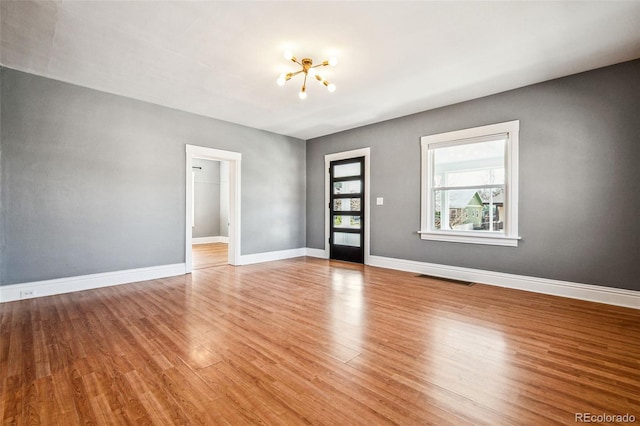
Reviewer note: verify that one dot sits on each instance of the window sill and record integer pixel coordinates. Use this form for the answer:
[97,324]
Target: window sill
[470,238]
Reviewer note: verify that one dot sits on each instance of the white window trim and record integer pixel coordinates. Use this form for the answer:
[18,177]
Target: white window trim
[510,236]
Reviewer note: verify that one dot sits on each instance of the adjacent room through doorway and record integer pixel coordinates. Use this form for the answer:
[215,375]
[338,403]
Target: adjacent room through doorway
[210,214]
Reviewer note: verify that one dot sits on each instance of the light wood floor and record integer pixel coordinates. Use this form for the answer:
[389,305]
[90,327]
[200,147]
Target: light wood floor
[208,255]
[311,341]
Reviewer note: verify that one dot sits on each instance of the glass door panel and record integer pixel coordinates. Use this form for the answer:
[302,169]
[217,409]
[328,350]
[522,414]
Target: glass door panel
[352,222]
[344,239]
[346,204]
[347,187]
[347,169]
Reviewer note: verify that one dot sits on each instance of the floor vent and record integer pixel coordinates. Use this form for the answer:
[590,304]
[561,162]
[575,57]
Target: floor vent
[449,280]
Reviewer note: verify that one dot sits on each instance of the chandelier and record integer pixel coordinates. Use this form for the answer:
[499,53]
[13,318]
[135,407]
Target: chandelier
[309,70]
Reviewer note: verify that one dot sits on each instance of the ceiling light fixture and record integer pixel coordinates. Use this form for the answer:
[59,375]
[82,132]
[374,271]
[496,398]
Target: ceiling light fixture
[309,70]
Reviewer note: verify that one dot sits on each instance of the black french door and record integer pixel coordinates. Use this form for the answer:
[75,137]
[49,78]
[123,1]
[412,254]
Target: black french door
[346,210]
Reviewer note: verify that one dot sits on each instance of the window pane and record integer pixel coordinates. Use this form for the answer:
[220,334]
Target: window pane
[493,211]
[469,209]
[479,163]
[347,187]
[348,169]
[346,204]
[437,209]
[344,239]
[352,222]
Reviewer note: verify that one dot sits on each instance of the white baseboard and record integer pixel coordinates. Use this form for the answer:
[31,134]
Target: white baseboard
[12,292]
[319,253]
[589,292]
[593,293]
[248,259]
[209,240]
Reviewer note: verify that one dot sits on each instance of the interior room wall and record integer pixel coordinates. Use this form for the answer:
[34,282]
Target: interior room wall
[579,174]
[224,199]
[94,182]
[207,198]
[2,243]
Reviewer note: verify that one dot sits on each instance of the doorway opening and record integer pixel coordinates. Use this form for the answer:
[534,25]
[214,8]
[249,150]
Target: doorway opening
[202,167]
[347,206]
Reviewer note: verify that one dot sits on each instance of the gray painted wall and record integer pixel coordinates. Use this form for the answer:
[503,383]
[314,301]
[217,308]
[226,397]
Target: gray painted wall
[579,179]
[207,199]
[2,243]
[93,182]
[224,199]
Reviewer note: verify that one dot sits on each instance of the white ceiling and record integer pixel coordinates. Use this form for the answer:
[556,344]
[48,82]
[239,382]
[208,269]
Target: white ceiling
[221,59]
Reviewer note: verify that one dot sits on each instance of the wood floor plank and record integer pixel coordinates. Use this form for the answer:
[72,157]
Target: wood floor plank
[310,341]
[209,255]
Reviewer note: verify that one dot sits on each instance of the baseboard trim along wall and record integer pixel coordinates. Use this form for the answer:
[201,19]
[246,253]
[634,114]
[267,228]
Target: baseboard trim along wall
[589,292]
[319,253]
[248,259]
[12,292]
[209,240]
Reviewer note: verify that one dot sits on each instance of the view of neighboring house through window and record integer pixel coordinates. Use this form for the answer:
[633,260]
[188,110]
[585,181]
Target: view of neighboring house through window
[470,185]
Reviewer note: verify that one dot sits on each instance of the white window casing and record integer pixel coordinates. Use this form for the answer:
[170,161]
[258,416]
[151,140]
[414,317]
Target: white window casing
[508,236]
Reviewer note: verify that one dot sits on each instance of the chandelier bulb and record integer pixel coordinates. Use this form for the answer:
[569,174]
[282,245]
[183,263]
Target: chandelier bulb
[288,55]
[302,95]
[281,80]
[333,61]
[331,87]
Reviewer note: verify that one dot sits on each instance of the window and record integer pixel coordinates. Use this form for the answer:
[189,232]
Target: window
[470,185]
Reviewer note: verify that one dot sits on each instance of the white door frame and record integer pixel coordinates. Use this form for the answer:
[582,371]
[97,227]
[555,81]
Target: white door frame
[234,159]
[328,158]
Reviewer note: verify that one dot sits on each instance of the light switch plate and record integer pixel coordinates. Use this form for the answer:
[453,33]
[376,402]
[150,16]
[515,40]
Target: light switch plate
[379,201]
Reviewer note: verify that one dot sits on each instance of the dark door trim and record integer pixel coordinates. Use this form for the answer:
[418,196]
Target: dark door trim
[328,158]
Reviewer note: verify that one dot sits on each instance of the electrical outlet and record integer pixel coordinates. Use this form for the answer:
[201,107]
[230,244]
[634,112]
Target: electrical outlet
[26,294]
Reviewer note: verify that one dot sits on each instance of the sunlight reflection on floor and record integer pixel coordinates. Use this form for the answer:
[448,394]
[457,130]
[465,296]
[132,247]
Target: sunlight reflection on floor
[347,315]
[469,359]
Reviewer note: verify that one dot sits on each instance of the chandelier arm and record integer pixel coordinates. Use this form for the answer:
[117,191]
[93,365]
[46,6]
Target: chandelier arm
[322,80]
[293,74]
